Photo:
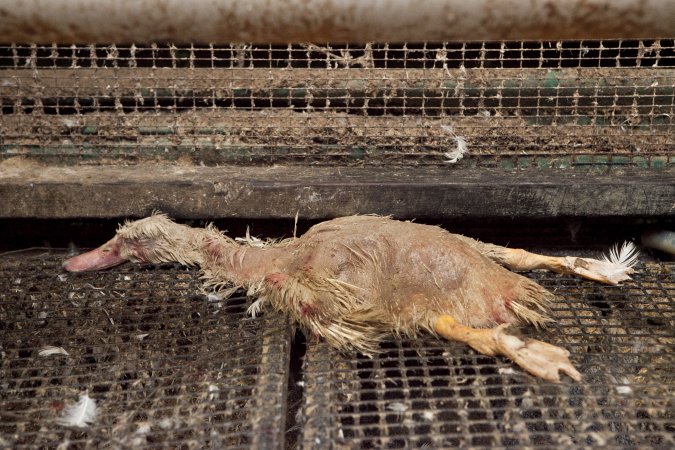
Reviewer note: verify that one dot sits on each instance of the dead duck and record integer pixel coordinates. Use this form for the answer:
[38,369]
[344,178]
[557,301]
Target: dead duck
[354,280]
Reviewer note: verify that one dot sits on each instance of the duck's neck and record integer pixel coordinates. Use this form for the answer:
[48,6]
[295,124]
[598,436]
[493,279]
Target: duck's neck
[225,261]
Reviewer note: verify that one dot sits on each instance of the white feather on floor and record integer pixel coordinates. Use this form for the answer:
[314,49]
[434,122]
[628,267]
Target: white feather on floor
[620,260]
[51,350]
[625,257]
[81,414]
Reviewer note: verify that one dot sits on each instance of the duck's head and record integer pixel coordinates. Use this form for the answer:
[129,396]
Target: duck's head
[154,239]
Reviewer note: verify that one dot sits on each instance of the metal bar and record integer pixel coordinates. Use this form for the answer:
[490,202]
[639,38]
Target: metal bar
[271,391]
[318,421]
[331,20]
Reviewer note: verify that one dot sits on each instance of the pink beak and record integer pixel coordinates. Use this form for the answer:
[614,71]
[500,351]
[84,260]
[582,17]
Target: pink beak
[105,256]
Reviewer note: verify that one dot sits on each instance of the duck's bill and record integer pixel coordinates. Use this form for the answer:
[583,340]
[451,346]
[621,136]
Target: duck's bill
[107,255]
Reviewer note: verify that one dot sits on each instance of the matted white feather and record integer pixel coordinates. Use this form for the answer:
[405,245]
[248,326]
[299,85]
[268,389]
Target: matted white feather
[625,257]
[81,414]
[251,240]
[459,152]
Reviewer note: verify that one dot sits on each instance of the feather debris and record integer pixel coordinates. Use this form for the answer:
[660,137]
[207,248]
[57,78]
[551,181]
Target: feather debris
[51,350]
[251,240]
[397,407]
[81,414]
[256,307]
[623,258]
[213,297]
[461,149]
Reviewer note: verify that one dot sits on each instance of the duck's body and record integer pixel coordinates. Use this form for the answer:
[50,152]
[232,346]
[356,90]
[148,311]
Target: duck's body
[355,279]
[393,276]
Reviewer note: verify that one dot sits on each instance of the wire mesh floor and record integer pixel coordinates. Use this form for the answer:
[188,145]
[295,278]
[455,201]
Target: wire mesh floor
[167,367]
[170,367]
[431,393]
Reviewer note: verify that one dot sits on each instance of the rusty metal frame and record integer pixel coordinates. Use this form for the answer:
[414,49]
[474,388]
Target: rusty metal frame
[70,21]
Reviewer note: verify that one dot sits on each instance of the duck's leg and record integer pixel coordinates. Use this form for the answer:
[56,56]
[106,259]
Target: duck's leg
[610,272]
[539,358]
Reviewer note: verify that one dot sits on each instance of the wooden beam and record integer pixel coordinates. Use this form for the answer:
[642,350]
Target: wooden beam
[321,192]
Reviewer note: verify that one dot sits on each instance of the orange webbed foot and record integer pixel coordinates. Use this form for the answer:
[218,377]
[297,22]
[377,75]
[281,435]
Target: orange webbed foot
[539,358]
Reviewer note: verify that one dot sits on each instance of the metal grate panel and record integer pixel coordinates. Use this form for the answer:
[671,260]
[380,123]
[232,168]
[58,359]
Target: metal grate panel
[167,367]
[430,393]
[516,104]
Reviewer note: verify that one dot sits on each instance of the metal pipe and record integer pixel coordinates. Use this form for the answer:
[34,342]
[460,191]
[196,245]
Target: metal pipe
[663,240]
[74,21]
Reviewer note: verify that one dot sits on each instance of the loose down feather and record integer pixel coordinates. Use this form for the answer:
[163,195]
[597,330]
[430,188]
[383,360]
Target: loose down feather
[625,257]
[457,153]
[619,260]
[81,414]
[51,350]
